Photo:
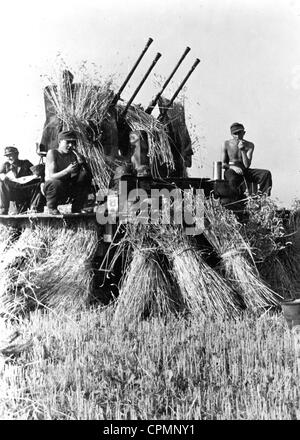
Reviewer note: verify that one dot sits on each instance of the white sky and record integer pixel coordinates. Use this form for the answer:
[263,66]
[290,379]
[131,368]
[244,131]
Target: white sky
[249,70]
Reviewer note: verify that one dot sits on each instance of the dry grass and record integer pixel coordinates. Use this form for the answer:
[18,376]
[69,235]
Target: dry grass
[264,230]
[49,266]
[147,290]
[21,257]
[77,106]
[203,289]
[7,234]
[223,232]
[197,369]
[64,280]
[281,273]
[67,366]
[185,280]
[271,236]
[87,101]
[159,147]
[148,287]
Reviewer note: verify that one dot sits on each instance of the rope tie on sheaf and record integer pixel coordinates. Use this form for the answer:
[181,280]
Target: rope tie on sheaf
[181,251]
[241,253]
[147,250]
[231,253]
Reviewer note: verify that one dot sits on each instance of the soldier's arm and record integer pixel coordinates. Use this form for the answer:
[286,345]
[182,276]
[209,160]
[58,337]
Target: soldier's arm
[3,168]
[82,161]
[52,166]
[3,171]
[247,154]
[28,165]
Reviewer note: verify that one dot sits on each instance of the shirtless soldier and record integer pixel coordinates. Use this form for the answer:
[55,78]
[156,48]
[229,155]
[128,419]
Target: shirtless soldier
[237,156]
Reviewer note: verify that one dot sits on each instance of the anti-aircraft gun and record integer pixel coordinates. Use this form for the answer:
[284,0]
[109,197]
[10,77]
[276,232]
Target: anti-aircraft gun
[138,169]
[172,121]
[129,149]
[112,133]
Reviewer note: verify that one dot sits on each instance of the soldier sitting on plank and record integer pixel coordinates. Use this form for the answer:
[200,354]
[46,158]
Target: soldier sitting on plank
[237,157]
[67,175]
[19,184]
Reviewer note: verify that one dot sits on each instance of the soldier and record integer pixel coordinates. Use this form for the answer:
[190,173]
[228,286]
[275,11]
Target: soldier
[237,157]
[67,175]
[19,184]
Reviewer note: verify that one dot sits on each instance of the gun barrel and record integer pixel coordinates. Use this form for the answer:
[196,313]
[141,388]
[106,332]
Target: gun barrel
[154,101]
[118,95]
[197,61]
[158,55]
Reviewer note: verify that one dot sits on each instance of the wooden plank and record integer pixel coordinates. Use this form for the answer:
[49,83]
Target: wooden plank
[48,216]
[20,220]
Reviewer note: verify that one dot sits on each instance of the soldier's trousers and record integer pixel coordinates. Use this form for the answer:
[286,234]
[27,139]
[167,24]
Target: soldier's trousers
[25,195]
[239,183]
[62,191]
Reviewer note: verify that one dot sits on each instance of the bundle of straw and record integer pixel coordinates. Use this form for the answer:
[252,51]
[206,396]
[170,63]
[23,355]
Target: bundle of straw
[159,147]
[280,268]
[293,226]
[270,237]
[223,232]
[264,229]
[204,291]
[64,280]
[7,234]
[281,272]
[76,106]
[17,293]
[147,289]
[48,266]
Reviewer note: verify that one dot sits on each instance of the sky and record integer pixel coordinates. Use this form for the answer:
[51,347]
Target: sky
[249,70]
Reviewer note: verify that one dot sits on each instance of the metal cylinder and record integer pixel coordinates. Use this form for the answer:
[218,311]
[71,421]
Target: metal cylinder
[217,171]
[291,312]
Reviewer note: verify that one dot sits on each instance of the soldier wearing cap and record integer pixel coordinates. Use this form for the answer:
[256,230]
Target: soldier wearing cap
[237,156]
[67,175]
[26,195]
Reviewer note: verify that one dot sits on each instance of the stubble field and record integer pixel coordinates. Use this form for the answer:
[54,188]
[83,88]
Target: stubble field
[81,367]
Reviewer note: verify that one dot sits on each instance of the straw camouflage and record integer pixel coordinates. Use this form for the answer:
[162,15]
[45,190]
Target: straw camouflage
[68,135]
